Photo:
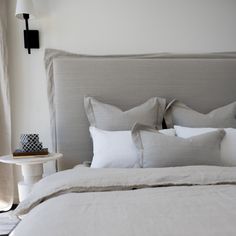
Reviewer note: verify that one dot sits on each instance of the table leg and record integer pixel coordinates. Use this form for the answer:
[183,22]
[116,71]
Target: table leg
[32,173]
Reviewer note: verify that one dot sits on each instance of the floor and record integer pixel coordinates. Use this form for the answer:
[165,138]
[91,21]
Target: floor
[7,222]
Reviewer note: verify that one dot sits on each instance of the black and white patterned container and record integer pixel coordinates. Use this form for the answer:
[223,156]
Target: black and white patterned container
[30,143]
[29,138]
[28,147]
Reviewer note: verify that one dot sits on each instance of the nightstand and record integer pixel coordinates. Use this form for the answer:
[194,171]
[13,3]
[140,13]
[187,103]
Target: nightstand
[32,170]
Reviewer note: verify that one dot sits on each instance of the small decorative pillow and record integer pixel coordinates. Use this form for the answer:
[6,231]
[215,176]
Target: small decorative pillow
[158,150]
[115,149]
[178,113]
[109,117]
[228,144]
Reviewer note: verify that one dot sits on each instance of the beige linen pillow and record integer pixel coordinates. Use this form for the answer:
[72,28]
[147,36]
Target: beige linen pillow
[178,113]
[159,150]
[108,117]
[228,144]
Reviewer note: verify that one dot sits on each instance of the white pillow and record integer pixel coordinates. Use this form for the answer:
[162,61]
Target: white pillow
[115,149]
[228,144]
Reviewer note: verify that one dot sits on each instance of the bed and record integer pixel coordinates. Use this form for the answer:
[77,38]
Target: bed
[180,200]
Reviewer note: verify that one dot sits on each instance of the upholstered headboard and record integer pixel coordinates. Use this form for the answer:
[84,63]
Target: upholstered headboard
[203,82]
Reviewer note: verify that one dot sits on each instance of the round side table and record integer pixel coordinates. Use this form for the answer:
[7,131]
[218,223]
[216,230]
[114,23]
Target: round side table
[32,170]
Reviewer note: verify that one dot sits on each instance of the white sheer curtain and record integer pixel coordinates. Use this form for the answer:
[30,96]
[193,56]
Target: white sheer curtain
[6,179]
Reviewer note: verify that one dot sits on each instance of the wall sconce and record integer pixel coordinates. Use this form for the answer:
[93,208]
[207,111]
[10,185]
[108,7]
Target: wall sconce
[25,11]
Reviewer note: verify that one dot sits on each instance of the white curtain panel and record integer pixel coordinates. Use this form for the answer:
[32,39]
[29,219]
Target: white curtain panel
[6,176]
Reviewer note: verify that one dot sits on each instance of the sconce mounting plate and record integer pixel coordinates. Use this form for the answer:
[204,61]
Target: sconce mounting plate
[31,38]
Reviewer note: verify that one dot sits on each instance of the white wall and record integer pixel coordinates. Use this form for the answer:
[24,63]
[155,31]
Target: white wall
[108,27]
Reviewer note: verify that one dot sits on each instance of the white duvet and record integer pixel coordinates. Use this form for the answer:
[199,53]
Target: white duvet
[195,200]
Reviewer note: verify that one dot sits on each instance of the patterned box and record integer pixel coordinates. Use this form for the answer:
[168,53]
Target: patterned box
[29,138]
[30,143]
[28,147]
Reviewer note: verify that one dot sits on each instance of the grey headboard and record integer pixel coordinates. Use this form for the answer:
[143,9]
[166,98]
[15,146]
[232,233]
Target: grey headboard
[203,82]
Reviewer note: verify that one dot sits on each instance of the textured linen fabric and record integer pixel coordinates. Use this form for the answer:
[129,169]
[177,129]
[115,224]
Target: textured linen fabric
[108,117]
[228,144]
[158,150]
[127,81]
[178,113]
[180,201]
[6,179]
[115,149]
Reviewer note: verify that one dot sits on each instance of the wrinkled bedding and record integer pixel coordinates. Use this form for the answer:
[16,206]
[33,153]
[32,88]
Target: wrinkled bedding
[194,200]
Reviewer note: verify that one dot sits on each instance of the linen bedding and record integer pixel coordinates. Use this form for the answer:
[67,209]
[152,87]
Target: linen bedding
[192,200]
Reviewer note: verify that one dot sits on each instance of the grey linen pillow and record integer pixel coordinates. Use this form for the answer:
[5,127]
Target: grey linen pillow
[178,113]
[159,150]
[108,117]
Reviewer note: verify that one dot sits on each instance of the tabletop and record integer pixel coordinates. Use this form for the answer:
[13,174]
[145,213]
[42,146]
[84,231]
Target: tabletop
[31,159]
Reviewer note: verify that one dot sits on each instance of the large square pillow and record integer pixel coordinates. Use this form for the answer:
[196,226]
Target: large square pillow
[115,149]
[158,150]
[178,113]
[228,144]
[109,117]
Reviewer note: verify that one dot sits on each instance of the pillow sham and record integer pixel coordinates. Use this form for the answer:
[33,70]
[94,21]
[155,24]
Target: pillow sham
[178,113]
[109,117]
[228,144]
[115,149]
[158,150]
